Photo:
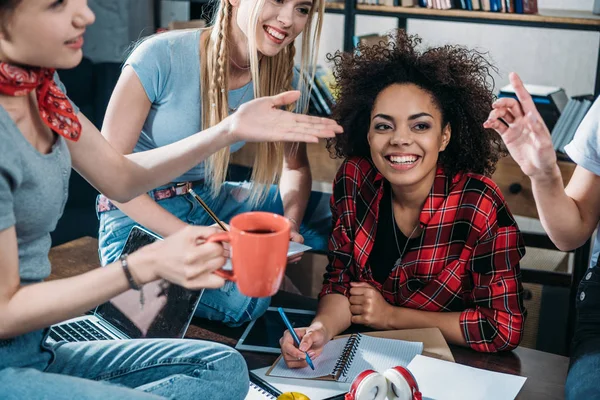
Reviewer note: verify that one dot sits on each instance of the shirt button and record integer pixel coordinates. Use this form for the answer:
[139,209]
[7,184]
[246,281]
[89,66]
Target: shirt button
[582,296]
[588,276]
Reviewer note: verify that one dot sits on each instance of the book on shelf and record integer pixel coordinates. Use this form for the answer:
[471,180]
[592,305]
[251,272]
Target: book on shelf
[519,6]
[530,7]
[564,130]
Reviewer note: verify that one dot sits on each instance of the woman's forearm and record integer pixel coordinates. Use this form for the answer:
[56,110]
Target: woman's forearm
[334,314]
[40,305]
[296,182]
[123,178]
[447,322]
[567,225]
[148,213]
[295,188]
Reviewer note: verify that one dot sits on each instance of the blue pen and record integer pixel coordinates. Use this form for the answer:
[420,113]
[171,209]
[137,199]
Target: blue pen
[286,321]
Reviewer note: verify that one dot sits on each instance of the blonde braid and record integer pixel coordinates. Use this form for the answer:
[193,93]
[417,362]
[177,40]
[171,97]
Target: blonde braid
[216,167]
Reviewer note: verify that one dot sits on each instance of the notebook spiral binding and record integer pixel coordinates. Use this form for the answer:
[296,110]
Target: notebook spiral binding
[345,360]
[263,392]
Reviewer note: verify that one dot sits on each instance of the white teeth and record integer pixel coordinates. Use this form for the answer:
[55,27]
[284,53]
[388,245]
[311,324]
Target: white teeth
[276,34]
[403,159]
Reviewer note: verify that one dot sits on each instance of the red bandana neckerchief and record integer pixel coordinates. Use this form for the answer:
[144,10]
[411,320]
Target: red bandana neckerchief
[54,106]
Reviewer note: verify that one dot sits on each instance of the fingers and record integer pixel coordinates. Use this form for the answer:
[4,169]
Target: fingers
[206,281]
[356,299]
[538,127]
[200,233]
[511,104]
[206,266]
[502,113]
[361,284]
[522,93]
[356,309]
[293,357]
[359,291]
[307,341]
[496,125]
[295,258]
[296,237]
[285,98]
[317,122]
[313,126]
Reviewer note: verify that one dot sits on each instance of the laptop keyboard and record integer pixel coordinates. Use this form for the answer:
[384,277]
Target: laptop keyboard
[78,331]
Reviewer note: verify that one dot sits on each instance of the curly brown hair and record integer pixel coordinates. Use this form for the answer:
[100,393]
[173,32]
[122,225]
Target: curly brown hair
[458,79]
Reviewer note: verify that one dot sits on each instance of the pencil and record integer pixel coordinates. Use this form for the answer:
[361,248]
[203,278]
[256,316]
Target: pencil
[208,210]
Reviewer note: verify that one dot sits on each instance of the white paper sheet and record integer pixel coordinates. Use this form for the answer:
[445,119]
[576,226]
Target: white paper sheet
[443,380]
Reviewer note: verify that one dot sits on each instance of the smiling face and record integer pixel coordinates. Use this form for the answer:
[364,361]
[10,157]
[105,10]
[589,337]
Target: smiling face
[45,33]
[406,134]
[279,23]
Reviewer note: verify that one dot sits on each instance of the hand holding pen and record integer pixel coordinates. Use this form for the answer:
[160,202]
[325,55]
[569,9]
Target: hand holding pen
[290,328]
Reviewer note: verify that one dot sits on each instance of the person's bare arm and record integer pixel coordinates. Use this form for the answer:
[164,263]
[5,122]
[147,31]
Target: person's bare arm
[24,308]
[568,216]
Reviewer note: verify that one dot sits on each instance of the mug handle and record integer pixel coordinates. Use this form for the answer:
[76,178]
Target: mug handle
[222,237]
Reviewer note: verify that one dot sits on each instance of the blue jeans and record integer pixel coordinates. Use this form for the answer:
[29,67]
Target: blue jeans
[120,369]
[226,304]
[583,381]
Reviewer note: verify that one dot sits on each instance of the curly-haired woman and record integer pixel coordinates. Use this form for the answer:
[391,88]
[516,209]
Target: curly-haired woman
[422,237]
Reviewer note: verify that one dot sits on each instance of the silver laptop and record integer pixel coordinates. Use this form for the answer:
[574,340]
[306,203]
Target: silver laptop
[167,312]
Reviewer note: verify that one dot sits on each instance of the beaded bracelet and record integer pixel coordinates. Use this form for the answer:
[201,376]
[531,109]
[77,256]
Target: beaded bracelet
[132,284]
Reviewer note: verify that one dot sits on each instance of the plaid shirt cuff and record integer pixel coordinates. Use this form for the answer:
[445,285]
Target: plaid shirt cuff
[330,288]
[487,335]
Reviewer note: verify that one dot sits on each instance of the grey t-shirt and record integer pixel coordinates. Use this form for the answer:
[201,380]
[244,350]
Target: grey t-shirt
[33,193]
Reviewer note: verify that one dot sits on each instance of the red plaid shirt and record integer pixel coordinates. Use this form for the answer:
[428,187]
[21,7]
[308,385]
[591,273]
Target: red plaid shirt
[468,261]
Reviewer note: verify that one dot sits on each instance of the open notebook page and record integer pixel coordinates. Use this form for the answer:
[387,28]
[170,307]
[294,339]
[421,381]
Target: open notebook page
[374,353]
[324,364]
[380,354]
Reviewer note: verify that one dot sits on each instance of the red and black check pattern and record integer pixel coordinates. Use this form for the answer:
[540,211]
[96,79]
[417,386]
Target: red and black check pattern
[468,260]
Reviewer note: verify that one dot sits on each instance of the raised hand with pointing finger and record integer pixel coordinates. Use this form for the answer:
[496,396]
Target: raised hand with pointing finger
[523,131]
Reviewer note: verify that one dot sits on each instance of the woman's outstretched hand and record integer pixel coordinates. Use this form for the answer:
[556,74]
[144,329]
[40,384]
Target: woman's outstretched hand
[264,120]
[523,131]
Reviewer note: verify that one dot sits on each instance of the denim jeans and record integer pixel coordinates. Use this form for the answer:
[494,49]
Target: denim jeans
[226,304]
[583,381]
[120,369]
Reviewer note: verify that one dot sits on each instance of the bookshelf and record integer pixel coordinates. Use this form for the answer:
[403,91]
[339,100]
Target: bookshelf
[548,18]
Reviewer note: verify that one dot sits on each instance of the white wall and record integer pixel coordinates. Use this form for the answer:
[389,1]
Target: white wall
[567,59]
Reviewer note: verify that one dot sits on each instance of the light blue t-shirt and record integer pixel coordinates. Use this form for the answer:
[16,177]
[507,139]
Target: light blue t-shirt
[584,149]
[168,65]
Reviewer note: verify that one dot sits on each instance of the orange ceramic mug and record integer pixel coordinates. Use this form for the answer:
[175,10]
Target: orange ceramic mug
[259,246]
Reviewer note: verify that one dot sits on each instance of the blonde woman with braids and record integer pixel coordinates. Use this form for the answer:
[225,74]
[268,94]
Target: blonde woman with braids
[175,83]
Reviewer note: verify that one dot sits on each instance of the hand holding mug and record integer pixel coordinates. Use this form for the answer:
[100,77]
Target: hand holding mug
[184,258]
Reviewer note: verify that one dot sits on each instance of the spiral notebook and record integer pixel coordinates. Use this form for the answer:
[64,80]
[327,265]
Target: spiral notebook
[257,393]
[260,390]
[345,357]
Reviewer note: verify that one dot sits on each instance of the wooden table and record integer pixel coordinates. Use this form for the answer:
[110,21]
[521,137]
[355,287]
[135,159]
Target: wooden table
[546,373]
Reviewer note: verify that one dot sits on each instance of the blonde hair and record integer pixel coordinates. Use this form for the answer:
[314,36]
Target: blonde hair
[273,74]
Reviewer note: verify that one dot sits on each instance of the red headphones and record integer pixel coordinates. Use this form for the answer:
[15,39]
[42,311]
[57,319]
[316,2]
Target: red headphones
[396,383]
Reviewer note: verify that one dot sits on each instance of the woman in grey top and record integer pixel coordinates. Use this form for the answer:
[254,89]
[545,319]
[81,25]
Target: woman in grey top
[41,133]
